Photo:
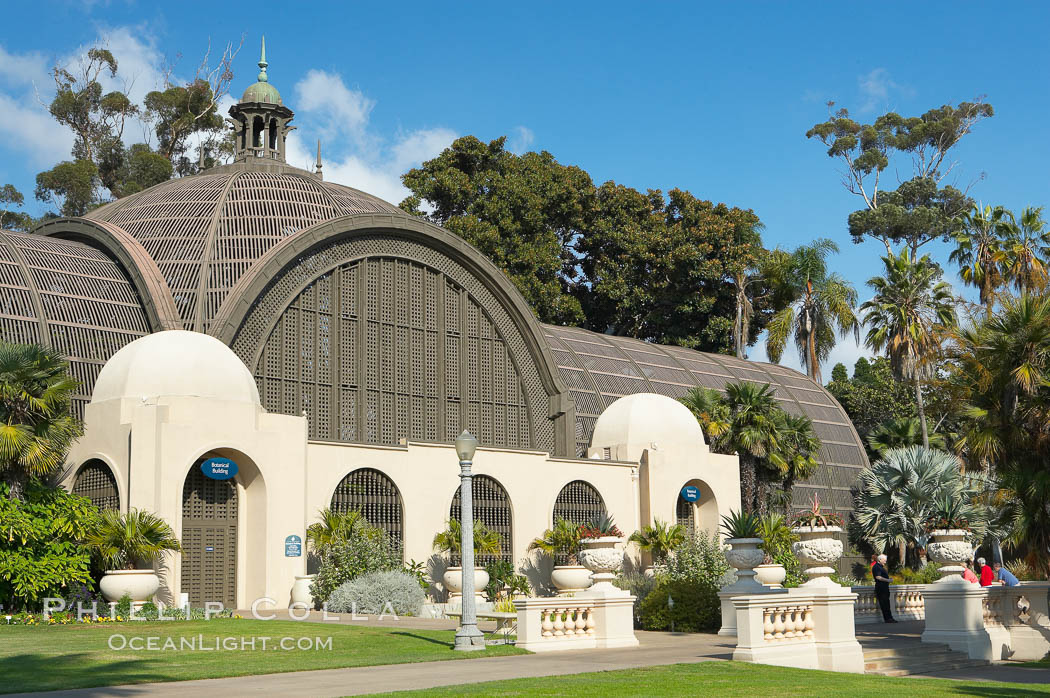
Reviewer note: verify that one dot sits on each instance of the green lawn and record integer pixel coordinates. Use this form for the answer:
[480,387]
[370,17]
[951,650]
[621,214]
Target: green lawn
[79,656]
[731,679]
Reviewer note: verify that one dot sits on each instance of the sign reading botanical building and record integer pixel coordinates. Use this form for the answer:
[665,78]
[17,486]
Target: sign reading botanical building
[219,468]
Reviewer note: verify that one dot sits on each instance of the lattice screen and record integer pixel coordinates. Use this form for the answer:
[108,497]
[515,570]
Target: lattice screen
[578,502]
[376,497]
[96,482]
[383,349]
[492,508]
[209,539]
[685,516]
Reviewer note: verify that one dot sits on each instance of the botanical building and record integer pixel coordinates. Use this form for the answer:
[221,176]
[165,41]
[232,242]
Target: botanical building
[333,346]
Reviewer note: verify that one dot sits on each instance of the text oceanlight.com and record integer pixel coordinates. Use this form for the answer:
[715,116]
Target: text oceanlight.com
[199,643]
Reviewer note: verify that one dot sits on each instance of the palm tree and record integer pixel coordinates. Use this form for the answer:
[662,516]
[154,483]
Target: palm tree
[752,433]
[659,539]
[898,493]
[901,432]
[821,302]
[562,542]
[1025,501]
[797,447]
[130,541]
[1026,249]
[709,407]
[334,527]
[909,315]
[979,251]
[486,541]
[36,426]
[745,275]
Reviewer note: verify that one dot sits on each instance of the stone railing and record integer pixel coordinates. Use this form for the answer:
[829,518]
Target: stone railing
[808,628]
[990,623]
[907,602]
[571,623]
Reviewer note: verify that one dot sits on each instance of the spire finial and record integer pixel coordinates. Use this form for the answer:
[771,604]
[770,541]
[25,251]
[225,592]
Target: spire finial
[317,171]
[262,62]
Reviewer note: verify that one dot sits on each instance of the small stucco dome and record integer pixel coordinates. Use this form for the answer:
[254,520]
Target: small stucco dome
[640,420]
[176,363]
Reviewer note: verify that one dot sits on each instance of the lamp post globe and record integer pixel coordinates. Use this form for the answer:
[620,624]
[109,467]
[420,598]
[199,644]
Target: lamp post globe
[468,637]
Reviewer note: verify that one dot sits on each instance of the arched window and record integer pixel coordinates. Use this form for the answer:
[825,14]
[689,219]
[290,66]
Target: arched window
[273,134]
[257,132]
[578,502]
[376,497]
[96,482]
[685,515]
[492,508]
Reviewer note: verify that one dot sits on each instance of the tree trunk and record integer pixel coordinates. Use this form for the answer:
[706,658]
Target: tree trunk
[748,483]
[902,550]
[738,325]
[16,486]
[922,413]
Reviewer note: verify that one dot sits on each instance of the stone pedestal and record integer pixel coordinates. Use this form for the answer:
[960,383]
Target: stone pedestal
[955,617]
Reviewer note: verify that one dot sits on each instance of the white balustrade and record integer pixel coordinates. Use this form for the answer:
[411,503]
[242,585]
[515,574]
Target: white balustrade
[787,623]
[907,602]
[580,622]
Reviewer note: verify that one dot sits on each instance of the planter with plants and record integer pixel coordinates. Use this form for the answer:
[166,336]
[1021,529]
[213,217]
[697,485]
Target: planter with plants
[951,531]
[742,531]
[486,542]
[659,540]
[776,538]
[602,553]
[819,547]
[562,544]
[128,545]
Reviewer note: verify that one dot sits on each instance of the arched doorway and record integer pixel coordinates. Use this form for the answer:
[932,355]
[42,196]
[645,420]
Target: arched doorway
[491,507]
[699,514]
[209,538]
[578,502]
[376,497]
[96,482]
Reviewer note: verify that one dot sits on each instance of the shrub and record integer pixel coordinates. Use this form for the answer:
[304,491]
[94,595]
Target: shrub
[505,582]
[700,559]
[372,592]
[924,575]
[696,607]
[639,585]
[367,550]
[1024,572]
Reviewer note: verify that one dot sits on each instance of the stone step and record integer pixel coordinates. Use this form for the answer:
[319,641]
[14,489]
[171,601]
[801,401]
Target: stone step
[904,662]
[940,668]
[912,649]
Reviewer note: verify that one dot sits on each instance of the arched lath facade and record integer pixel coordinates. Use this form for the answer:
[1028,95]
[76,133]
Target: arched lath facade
[578,502]
[96,482]
[377,498]
[491,507]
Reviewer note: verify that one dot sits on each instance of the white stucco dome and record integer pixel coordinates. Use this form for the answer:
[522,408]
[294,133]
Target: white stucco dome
[176,363]
[641,420]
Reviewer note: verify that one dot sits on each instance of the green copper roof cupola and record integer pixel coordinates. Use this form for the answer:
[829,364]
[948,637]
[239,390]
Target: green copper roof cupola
[260,121]
[262,91]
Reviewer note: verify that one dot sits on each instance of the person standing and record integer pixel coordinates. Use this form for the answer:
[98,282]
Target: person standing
[968,574]
[882,587]
[987,575]
[1005,576]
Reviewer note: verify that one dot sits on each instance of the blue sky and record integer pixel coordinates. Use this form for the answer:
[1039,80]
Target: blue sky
[714,97]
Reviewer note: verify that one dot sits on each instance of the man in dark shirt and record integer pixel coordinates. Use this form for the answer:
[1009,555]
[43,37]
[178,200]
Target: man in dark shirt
[882,588]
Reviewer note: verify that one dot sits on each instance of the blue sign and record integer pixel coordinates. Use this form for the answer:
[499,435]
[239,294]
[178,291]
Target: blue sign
[219,468]
[691,494]
[293,546]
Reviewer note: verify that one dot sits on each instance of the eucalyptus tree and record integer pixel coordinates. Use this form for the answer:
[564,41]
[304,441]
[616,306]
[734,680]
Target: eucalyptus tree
[908,318]
[1026,250]
[821,302]
[979,251]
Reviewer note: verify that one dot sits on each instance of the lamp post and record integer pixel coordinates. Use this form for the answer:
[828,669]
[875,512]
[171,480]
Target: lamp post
[468,637]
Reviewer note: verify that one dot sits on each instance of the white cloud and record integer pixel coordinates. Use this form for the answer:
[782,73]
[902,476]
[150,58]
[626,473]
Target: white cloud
[521,137]
[876,89]
[335,109]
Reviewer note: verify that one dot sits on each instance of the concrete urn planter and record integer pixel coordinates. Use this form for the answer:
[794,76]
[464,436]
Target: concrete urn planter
[603,557]
[950,550]
[301,590]
[140,585]
[744,557]
[453,579]
[568,579]
[818,549]
[771,575]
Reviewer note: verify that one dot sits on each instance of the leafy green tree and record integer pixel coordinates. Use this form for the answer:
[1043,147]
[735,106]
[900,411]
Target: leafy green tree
[908,318]
[41,550]
[11,198]
[873,395]
[36,427]
[920,210]
[178,112]
[899,493]
[522,211]
[820,302]
[979,251]
[70,186]
[129,541]
[1027,249]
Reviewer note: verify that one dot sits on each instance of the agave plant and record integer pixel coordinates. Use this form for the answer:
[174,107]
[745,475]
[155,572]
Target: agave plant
[659,539]
[130,541]
[818,516]
[741,524]
[486,541]
[562,542]
[600,527]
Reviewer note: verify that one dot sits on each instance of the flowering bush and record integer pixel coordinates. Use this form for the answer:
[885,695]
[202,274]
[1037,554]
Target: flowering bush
[376,592]
[600,527]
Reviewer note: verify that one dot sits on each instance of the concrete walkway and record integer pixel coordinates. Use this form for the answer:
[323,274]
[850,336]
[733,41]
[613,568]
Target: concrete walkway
[655,649]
